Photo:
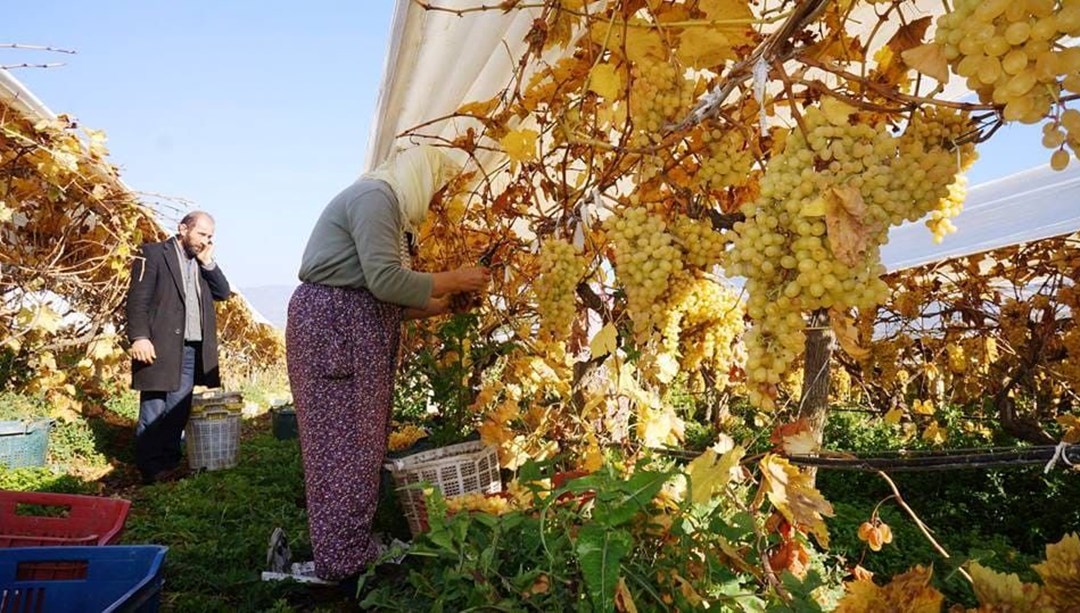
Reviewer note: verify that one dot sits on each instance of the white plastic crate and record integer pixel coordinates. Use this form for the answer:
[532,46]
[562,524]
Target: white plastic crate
[463,468]
[213,439]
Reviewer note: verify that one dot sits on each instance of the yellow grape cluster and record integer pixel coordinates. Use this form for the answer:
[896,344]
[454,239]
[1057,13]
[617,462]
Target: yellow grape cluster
[479,502]
[931,153]
[1017,53]
[726,161]
[785,249]
[404,437]
[711,324]
[660,93]
[1063,129]
[646,257]
[940,220]
[703,245]
[561,269]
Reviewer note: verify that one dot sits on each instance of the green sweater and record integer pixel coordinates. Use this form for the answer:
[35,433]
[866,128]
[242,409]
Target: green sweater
[357,243]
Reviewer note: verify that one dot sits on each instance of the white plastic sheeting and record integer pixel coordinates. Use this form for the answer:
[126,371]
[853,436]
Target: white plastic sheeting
[1020,208]
[436,61]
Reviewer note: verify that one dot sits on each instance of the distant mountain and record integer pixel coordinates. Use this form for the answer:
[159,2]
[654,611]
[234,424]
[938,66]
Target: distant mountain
[271,301]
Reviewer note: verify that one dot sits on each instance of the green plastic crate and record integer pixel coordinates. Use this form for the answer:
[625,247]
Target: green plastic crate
[24,444]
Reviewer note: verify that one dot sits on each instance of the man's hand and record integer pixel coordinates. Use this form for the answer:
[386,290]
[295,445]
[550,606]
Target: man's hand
[206,256]
[143,351]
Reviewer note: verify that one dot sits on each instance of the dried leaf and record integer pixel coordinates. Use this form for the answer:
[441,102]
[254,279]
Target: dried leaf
[894,415]
[793,494]
[847,335]
[624,600]
[909,35]
[910,592]
[928,59]
[1002,592]
[849,229]
[1061,571]
[795,438]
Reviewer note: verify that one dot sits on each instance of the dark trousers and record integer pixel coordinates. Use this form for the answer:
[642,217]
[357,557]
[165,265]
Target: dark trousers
[162,417]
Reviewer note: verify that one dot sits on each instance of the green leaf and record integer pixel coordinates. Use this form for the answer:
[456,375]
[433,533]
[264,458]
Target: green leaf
[619,503]
[600,551]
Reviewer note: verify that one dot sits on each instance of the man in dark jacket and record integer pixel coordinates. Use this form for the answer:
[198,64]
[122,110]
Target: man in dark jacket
[173,333]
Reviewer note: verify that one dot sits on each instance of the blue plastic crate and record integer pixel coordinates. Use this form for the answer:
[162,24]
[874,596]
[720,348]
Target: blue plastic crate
[83,579]
[24,444]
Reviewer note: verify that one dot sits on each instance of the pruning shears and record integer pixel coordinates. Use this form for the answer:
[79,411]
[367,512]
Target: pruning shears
[489,253]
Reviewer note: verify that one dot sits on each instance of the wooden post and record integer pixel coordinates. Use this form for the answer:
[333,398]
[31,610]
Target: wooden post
[814,404]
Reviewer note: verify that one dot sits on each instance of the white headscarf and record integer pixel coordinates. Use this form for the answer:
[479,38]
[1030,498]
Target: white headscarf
[415,175]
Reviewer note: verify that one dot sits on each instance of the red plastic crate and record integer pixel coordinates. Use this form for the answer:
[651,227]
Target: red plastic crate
[85,520]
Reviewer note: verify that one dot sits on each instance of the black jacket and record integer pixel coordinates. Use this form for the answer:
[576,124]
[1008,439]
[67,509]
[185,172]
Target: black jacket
[155,310]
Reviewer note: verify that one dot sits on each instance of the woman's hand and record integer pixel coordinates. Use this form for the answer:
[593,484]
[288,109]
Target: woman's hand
[435,307]
[472,278]
[464,279]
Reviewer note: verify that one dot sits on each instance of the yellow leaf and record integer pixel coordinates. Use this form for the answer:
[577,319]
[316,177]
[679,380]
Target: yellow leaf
[689,593]
[910,592]
[849,228]
[592,459]
[101,348]
[605,341]
[520,145]
[935,434]
[923,407]
[894,415]
[710,473]
[624,600]
[704,48]
[1004,592]
[481,108]
[838,113]
[793,494]
[643,44]
[42,319]
[1061,572]
[667,367]
[657,427]
[928,59]
[847,335]
[604,79]
[1072,426]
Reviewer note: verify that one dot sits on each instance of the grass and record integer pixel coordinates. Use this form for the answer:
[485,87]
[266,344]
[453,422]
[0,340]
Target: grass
[216,524]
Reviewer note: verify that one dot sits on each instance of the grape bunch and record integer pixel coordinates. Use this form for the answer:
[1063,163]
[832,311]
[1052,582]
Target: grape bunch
[1016,53]
[561,269]
[726,160]
[646,257]
[492,504]
[660,93]
[812,239]
[704,246]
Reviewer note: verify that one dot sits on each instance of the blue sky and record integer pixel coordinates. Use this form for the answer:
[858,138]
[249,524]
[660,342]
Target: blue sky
[258,112]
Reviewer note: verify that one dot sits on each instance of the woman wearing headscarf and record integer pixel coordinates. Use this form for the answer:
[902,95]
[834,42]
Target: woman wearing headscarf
[342,340]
